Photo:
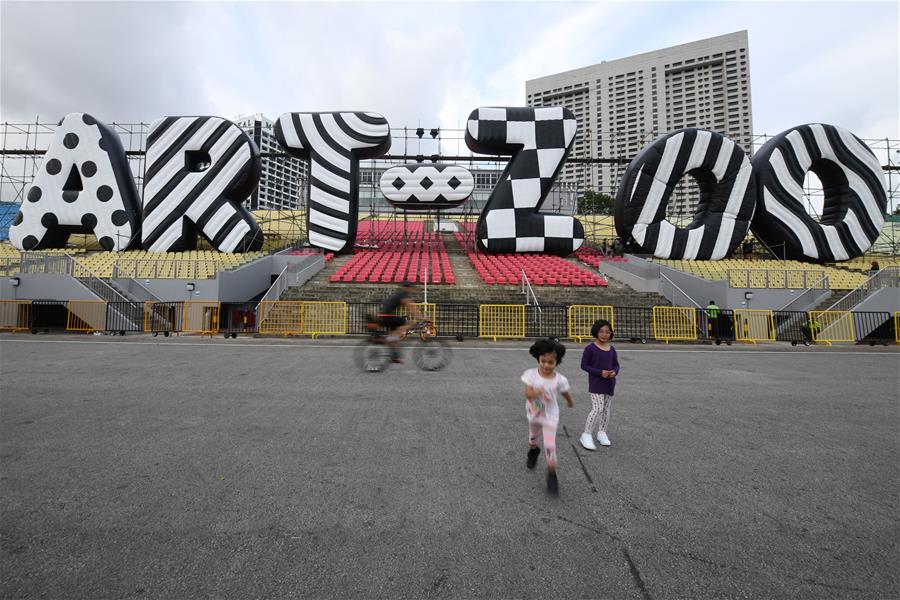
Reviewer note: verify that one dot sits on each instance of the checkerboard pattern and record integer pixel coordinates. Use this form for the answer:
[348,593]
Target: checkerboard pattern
[539,140]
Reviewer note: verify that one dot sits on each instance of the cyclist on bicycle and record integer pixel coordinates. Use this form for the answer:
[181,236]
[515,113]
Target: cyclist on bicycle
[397,324]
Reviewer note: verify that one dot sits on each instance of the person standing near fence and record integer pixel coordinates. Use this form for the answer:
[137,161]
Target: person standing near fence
[601,362]
[712,315]
[542,385]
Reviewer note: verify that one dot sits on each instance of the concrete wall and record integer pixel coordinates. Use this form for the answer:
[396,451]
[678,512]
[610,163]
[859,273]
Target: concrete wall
[638,274]
[699,289]
[644,276]
[45,287]
[883,300]
[240,285]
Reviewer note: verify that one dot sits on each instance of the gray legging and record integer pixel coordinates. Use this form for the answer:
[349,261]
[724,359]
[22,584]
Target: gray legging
[598,420]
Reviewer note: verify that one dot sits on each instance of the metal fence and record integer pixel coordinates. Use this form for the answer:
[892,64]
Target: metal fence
[778,278]
[506,321]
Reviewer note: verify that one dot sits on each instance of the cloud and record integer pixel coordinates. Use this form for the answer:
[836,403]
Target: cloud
[429,63]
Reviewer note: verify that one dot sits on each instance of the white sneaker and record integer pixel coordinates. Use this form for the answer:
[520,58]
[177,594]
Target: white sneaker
[601,437]
[587,442]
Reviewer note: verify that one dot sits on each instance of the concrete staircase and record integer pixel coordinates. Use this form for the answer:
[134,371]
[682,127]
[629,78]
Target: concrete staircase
[469,288]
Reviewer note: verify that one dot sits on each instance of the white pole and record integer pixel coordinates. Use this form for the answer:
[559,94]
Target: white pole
[426,286]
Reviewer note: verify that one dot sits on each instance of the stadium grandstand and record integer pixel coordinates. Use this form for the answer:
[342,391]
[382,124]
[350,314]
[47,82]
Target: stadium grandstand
[467,292]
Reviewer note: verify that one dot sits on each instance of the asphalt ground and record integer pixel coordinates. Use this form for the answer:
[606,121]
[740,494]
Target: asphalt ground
[143,467]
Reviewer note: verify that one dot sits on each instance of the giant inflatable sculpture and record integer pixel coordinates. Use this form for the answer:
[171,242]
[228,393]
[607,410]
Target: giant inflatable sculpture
[199,170]
[853,183]
[84,185]
[539,140]
[334,143]
[426,187]
[726,202]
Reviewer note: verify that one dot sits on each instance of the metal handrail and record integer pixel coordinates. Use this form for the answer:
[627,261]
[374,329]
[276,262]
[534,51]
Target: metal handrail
[145,288]
[747,273]
[808,291]
[93,279]
[886,277]
[131,267]
[674,285]
[526,289]
[275,290]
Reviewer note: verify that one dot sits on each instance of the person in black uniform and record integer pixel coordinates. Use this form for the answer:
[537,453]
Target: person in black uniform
[397,324]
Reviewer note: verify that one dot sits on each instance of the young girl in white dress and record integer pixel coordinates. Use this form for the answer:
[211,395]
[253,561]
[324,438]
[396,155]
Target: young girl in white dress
[542,386]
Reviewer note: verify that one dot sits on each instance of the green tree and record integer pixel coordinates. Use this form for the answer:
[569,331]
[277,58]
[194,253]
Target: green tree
[592,202]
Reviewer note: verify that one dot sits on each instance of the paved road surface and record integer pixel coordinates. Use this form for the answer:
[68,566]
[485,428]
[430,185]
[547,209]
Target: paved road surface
[183,468]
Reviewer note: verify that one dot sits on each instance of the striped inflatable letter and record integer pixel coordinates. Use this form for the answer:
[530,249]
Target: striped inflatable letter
[199,172]
[334,142]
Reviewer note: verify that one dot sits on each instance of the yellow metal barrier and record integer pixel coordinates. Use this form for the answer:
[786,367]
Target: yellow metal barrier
[674,323]
[162,316]
[501,321]
[280,317]
[15,315]
[200,316]
[754,325]
[324,318]
[830,326]
[583,316]
[86,315]
[897,327]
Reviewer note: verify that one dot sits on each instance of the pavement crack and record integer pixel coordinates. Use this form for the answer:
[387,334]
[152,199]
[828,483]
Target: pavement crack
[839,587]
[584,469]
[636,574]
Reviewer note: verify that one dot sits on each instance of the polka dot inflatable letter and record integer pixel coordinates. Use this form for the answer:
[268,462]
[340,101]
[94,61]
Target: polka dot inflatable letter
[84,186]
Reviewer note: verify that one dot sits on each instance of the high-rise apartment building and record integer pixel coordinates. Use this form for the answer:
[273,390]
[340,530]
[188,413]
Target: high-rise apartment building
[623,104]
[282,183]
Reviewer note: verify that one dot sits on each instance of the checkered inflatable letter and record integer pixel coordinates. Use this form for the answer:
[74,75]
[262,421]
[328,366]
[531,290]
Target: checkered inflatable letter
[334,143]
[539,140]
[199,172]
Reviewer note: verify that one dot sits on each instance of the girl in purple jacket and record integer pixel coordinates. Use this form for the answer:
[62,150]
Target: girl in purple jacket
[602,364]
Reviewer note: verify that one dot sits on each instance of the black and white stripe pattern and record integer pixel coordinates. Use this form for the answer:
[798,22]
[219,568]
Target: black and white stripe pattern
[539,140]
[334,142]
[84,186]
[426,187]
[181,198]
[853,183]
[725,207]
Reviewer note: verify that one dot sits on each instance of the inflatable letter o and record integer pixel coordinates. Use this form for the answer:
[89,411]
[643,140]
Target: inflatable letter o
[853,185]
[726,202]
[426,187]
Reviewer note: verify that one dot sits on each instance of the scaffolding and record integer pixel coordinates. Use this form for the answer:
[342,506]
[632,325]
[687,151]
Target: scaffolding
[23,146]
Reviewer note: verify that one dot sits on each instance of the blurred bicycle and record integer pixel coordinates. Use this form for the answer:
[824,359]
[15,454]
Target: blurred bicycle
[376,352]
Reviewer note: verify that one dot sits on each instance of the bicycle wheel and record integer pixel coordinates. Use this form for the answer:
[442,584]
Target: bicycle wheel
[432,354]
[372,358]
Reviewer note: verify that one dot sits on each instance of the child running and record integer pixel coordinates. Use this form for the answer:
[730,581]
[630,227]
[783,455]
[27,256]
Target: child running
[602,364]
[542,385]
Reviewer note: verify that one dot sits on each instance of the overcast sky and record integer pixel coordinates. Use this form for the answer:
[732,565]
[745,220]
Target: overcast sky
[427,64]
